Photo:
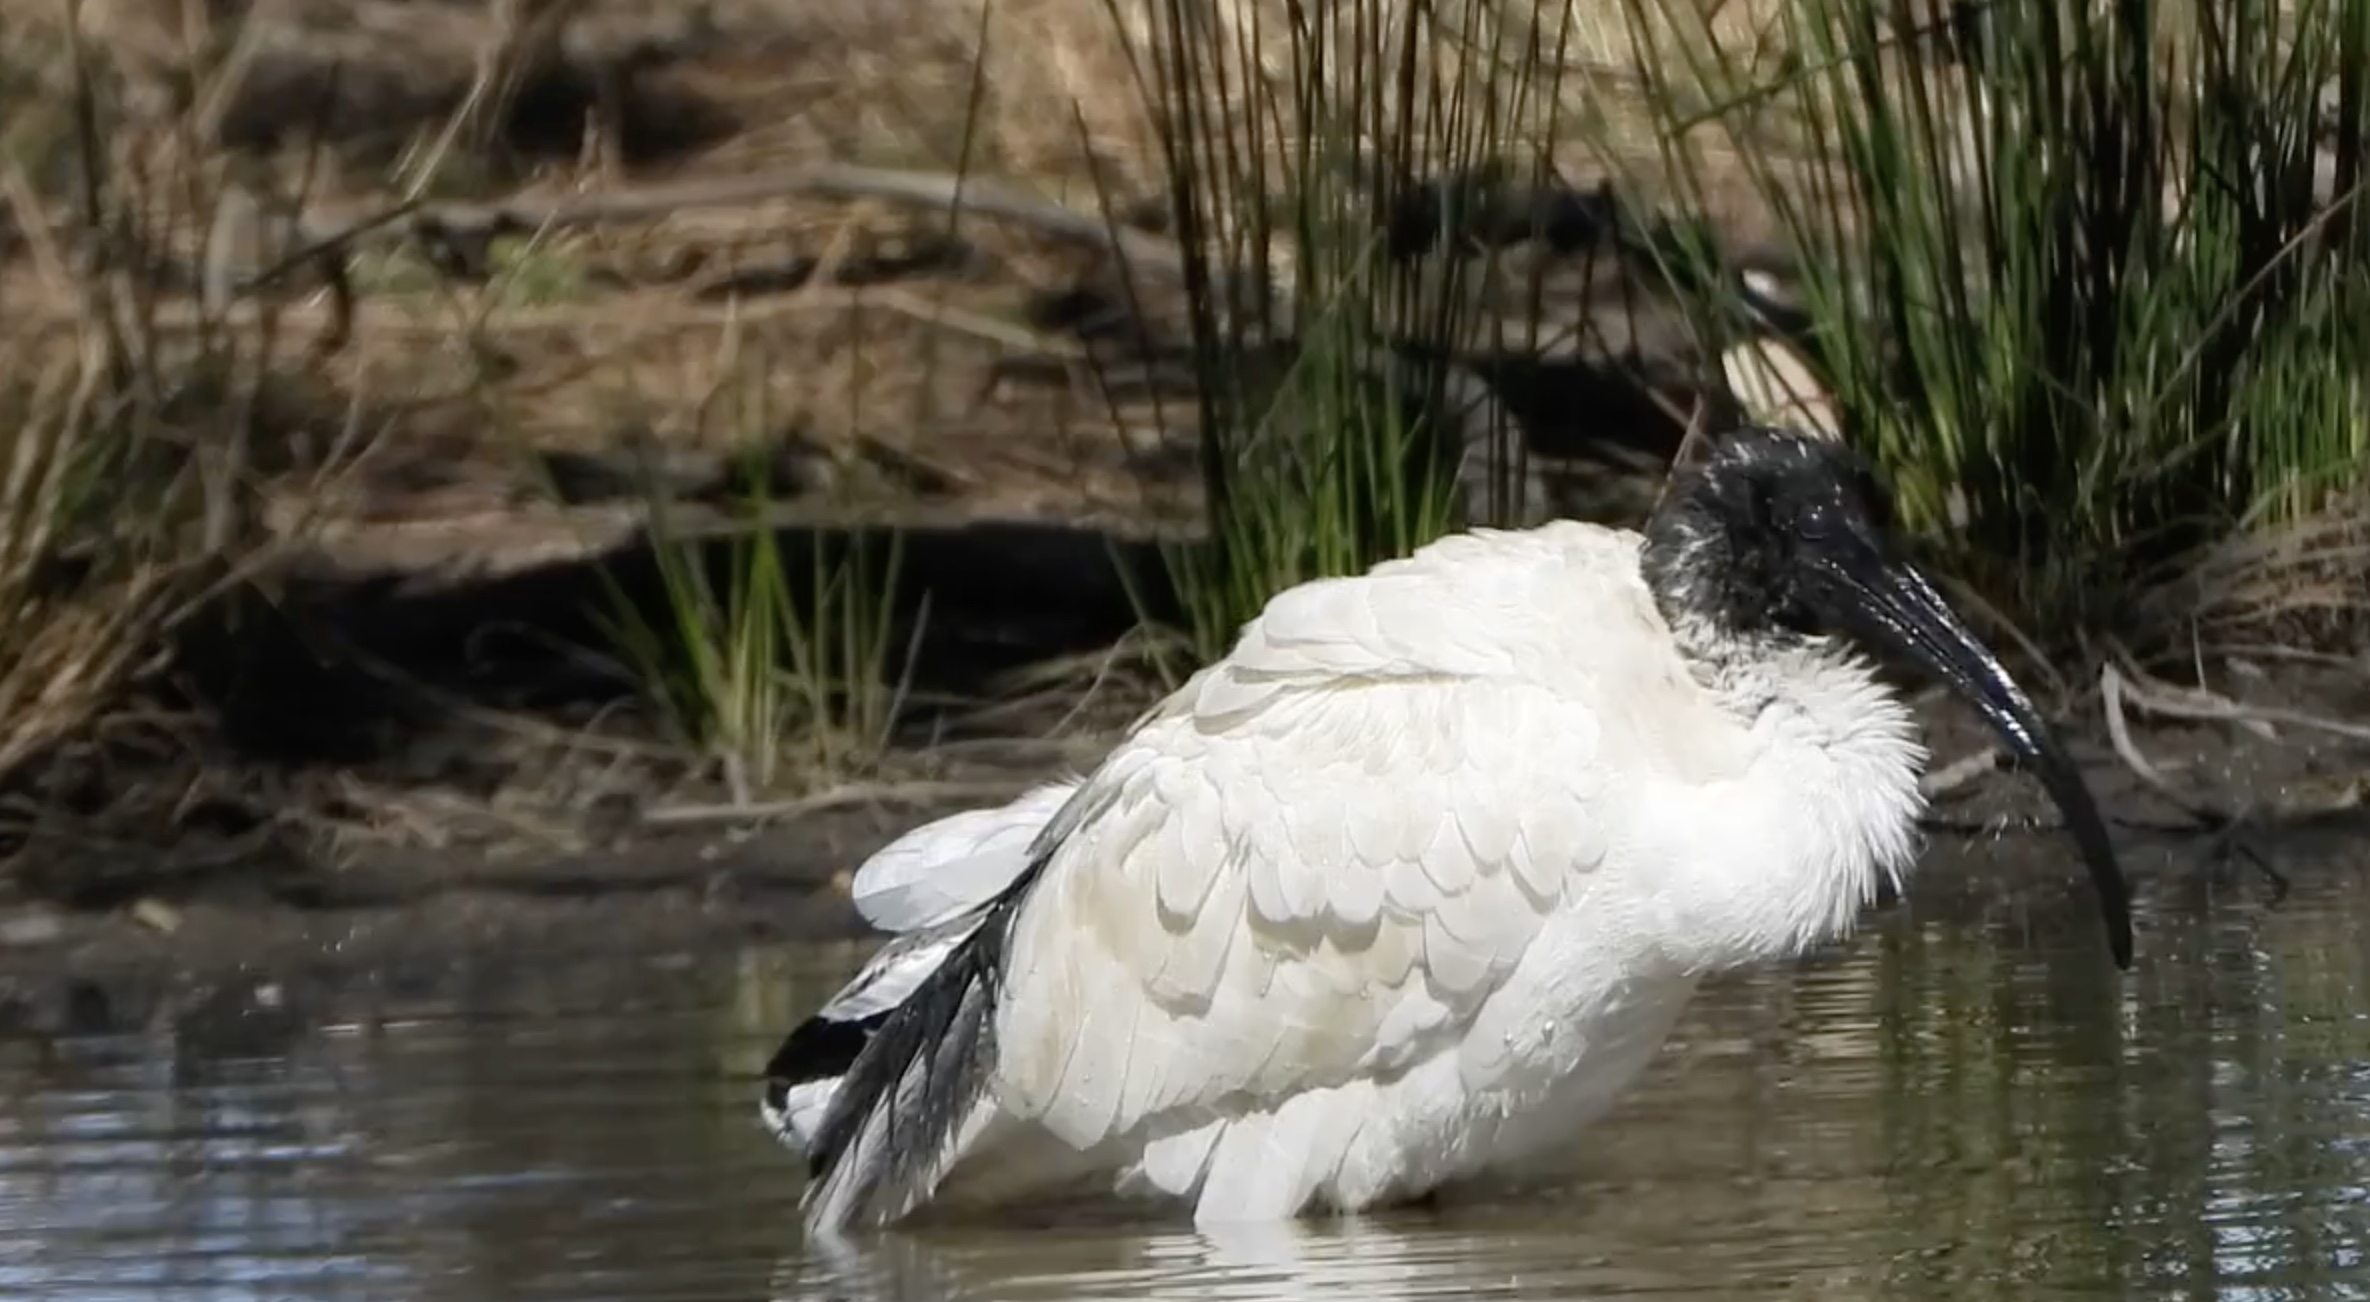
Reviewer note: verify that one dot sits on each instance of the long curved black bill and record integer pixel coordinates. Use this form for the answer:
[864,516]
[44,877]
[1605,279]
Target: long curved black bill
[1895,604]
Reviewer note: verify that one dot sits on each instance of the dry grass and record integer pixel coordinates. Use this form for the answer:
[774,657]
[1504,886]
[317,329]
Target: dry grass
[126,499]
[877,359]
[71,641]
[912,367]
[880,361]
[2305,583]
[922,357]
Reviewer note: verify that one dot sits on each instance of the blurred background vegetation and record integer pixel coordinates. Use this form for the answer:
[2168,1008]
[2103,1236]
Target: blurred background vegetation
[755,312]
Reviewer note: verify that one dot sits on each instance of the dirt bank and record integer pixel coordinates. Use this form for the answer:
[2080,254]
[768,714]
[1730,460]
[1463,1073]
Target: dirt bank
[409,910]
[725,884]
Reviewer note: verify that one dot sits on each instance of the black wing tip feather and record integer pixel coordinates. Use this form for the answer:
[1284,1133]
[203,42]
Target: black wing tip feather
[944,1031]
[818,1048]
[915,1036]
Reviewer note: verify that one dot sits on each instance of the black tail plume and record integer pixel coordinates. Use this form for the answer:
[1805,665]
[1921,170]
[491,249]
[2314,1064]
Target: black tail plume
[819,1048]
[919,1077]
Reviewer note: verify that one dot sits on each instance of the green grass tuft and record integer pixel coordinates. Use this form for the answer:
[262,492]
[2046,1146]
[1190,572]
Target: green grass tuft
[2088,307]
[784,672]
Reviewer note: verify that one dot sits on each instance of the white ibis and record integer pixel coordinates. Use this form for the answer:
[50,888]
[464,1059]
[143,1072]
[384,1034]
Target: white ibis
[1398,897]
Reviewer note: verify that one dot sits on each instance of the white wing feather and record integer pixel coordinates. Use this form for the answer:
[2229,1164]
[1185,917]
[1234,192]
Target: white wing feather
[896,970]
[950,867]
[1318,859]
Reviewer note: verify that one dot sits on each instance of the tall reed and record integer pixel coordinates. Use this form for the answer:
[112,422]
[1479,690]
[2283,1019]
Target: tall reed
[2085,276]
[1332,424]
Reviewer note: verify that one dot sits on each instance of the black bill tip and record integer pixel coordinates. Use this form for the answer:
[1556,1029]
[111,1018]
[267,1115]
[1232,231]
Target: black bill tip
[1893,603]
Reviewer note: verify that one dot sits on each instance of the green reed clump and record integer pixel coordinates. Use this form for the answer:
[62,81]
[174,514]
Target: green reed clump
[1331,425]
[781,665]
[2092,292]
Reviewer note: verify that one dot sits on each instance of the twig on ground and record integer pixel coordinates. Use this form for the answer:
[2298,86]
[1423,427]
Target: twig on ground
[1995,825]
[2112,689]
[2196,704]
[837,798]
[1959,773]
[464,229]
[1964,596]
[2294,654]
[2225,826]
[462,709]
[1694,445]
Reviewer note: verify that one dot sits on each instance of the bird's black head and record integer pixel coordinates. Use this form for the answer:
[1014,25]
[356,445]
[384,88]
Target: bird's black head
[1778,536]
[1736,548]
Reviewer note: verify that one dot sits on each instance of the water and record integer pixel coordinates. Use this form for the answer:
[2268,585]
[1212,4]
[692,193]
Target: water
[1962,1104]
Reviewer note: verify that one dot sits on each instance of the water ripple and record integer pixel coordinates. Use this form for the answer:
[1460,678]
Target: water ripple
[1963,1104]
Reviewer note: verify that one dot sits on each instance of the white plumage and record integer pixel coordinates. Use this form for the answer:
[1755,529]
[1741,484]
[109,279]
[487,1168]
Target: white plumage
[1398,895]
[927,889]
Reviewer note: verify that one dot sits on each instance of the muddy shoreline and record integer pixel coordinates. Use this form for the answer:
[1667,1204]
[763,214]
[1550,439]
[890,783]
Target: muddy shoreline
[383,909]
[295,720]
[722,885]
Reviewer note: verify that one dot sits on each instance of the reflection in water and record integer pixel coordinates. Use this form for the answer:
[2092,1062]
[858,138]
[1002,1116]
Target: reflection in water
[1964,1104]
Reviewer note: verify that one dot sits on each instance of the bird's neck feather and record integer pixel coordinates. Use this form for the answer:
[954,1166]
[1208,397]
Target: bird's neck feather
[1835,795]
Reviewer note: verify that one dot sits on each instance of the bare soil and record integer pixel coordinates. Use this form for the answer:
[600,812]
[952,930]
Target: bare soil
[632,270]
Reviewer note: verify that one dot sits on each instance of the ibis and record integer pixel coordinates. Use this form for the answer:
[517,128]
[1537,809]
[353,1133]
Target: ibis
[1396,898]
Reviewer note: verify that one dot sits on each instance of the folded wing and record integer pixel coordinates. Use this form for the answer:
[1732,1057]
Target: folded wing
[1316,865]
[955,865]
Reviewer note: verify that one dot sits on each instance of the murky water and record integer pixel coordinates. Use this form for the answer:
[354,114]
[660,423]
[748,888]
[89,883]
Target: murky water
[1965,1103]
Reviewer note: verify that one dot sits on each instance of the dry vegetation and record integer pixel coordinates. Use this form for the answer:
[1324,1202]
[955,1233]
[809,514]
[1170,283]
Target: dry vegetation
[444,291]
[428,292]
[851,330]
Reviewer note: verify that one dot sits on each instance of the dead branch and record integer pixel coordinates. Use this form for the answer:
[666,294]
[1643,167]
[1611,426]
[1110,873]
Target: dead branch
[2112,690]
[1959,773]
[462,225]
[2196,704]
[836,798]
[2225,826]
